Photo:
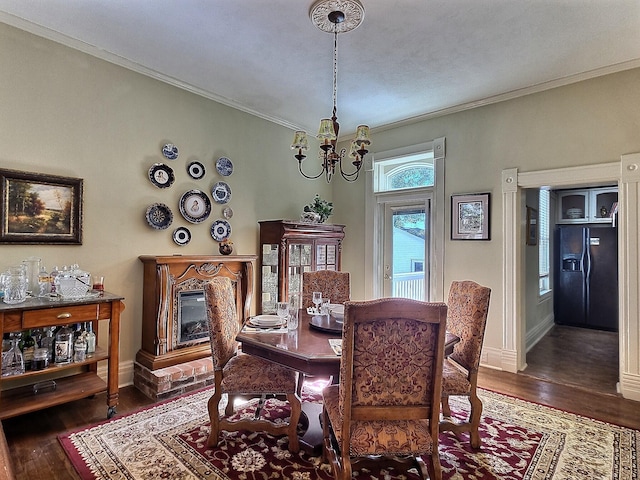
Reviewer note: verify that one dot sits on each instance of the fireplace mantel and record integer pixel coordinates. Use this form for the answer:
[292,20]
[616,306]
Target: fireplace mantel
[165,277]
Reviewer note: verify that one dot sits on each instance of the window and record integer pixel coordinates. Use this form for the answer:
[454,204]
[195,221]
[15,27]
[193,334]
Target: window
[543,249]
[403,172]
[417,265]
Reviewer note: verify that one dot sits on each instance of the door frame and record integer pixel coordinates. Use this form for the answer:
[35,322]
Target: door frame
[626,174]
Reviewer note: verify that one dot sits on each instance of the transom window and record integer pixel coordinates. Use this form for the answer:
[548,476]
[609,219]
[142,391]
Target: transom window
[404,172]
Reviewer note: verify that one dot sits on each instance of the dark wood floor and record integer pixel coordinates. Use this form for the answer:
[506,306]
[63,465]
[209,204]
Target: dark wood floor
[37,454]
[580,357]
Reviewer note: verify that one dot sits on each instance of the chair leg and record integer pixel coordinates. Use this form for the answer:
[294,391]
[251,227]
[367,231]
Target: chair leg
[214,416]
[294,418]
[446,410]
[434,467]
[474,419]
[230,405]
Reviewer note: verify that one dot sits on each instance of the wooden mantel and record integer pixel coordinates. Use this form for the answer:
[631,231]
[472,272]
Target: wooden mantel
[165,276]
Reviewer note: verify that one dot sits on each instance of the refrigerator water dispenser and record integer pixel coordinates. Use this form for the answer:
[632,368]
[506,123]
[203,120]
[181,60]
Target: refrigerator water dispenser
[571,264]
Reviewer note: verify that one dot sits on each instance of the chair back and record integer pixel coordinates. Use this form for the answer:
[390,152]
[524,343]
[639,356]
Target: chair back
[391,366]
[222,320]
[334,285]
[468,305]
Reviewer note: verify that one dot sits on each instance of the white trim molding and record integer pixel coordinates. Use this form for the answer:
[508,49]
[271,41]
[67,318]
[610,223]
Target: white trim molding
[626,174]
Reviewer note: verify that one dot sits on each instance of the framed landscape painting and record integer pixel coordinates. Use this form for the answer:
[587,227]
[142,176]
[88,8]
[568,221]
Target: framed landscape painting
[40,209]
[470,217]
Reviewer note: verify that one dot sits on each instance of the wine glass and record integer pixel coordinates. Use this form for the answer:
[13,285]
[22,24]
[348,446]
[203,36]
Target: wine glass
[317,300]
[282,309]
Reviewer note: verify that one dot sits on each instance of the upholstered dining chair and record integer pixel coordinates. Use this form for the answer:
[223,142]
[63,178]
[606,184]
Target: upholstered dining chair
[468,305]
[242,374]
[334,285]
[387,404]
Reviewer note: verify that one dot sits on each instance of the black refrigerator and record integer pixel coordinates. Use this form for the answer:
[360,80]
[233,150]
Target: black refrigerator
[586,276]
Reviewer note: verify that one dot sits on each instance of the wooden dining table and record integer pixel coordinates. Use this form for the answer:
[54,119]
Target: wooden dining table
[306,350]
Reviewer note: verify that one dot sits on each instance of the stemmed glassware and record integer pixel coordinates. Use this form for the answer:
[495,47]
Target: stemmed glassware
[317,300]
[282,309]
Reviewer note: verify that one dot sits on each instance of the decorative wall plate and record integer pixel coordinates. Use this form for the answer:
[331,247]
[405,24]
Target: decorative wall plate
[161,175]
[195,206]
[181,236]
[220,230]
[227,212]
[221,192]
[170,151]
[195,170]
[159,216]
[224,166]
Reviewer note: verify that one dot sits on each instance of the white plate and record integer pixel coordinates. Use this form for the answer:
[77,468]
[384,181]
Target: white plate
[227,213]
[266,321]
[161,175]
[221,192]
[159,216]
[337,311]
[195,170]
[170,151]
[181,236]
[220,230]
[195,206]
[224,166]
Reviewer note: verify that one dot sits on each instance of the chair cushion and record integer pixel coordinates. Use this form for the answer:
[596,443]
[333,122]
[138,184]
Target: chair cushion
[379,437]
[251,374]
[454,382]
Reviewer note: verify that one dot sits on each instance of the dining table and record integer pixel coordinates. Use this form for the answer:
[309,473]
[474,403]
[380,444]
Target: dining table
[308,350]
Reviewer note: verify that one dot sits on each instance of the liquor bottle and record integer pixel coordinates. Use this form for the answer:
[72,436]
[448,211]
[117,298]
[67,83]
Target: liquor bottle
[28,348]
[47,342]
[53,275]
[91,339]
[64,345]
[80,348]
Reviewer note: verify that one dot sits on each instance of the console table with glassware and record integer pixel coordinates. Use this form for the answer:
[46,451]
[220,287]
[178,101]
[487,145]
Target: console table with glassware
[62,383]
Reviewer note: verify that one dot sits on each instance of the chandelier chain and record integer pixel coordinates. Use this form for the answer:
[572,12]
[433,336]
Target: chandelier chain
[335,70]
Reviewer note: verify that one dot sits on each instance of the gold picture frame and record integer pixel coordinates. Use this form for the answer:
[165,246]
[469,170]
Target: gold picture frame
[37,208]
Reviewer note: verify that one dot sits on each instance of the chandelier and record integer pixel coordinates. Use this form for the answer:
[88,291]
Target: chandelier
[335,16]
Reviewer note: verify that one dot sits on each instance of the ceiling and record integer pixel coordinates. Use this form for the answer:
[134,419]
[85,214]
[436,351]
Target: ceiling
[409,59]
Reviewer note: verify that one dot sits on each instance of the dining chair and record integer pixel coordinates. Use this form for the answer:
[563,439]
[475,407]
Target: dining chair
[241,374]
[334,285]
[387,405]
[468,305]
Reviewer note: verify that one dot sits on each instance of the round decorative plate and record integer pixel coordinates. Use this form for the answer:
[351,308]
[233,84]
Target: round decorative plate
[195,206]
[159,216]
[221,192]
[170,151]
[195,170]
[181,236]
[227,212]
[224,166]
[161,175]
[220,230]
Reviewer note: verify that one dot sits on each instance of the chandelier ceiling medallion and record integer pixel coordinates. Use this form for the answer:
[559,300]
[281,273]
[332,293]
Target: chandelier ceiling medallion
[334,16]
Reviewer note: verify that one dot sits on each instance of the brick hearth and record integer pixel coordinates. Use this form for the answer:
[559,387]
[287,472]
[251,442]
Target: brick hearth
[174,380]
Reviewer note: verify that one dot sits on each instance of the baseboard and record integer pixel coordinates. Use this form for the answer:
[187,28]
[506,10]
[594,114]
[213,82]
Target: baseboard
[125,373]
[538,332]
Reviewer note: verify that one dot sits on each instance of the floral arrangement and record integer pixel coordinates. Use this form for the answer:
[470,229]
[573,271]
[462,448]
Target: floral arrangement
[320,207]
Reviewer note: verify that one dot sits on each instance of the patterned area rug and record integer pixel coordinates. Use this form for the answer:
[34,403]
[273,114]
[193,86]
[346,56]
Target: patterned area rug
[521,440]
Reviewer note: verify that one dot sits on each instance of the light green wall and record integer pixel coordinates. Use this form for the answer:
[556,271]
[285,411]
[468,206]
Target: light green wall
[70,114]
[590,122]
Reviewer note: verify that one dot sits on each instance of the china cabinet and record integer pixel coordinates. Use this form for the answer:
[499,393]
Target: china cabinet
[287,249]
[592,205]
[62,383]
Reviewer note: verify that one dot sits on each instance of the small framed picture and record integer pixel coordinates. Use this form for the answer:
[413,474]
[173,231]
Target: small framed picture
[532,226]
[470,217]
[40,209]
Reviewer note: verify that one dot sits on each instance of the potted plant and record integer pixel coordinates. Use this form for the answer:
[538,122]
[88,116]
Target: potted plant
[320,207]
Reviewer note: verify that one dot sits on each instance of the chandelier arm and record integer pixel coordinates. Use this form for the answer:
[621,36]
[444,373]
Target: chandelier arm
[307,176]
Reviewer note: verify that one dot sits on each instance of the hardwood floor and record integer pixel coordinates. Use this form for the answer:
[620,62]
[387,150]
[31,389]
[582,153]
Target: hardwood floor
[37,454]
[580,357]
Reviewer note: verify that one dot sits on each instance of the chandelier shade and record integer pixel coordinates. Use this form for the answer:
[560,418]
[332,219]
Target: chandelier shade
[334,16]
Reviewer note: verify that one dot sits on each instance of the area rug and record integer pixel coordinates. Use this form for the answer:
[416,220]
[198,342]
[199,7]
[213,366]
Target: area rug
[520,440]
